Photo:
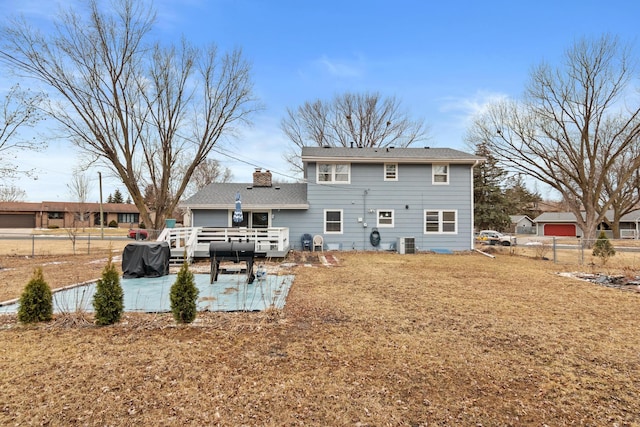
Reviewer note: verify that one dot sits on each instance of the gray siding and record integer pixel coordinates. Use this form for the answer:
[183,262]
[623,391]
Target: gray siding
[368,192]
[408,197]
[210,218]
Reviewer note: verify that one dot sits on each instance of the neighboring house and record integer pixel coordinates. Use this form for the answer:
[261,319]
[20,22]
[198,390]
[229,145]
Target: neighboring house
[66,214]
[557,224]
[421,194]
[522,224]
[564,224]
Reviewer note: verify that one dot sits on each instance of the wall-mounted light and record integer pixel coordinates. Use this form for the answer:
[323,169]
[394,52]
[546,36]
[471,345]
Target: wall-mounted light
[406,206]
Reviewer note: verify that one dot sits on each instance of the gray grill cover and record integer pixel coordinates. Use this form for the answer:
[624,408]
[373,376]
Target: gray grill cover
[145,259]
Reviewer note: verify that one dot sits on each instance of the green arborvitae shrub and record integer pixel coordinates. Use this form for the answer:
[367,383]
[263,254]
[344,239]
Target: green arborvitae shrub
[36,302]
[113,224]
[108,301]
[603,248]
[183,296]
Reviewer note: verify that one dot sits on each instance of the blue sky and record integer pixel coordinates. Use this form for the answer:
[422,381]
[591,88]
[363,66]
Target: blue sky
[442,60]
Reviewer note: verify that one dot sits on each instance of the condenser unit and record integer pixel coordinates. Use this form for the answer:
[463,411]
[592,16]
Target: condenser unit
[406,245]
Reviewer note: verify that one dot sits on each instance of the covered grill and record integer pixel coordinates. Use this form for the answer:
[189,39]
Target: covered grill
[232,251]
[145,259]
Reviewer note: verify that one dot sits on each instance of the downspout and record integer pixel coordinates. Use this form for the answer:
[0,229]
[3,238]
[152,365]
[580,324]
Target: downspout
[364,219]
[473,220]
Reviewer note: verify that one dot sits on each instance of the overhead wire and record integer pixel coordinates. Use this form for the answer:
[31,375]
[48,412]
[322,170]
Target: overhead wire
[11,60]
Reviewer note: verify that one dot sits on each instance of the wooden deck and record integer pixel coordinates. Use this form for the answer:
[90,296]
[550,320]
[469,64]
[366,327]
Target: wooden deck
[193,242]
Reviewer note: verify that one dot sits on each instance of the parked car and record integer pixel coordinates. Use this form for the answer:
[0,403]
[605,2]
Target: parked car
[492,237]
[138,234]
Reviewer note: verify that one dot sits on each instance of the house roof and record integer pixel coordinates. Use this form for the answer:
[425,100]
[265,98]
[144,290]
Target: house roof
[518,218]
[223,196]
[67,207]
[388,154]
[570,217]
[20,207]
[555,217]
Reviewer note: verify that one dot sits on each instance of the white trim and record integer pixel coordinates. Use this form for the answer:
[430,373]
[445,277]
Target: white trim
[384,171]
[333,173]
[447,174]
[393,220]
[324,221]
[441,221]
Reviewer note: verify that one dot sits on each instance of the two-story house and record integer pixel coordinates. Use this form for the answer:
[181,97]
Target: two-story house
[423,196]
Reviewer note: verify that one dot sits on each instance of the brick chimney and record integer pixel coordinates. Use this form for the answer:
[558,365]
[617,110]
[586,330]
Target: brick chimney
[261,179]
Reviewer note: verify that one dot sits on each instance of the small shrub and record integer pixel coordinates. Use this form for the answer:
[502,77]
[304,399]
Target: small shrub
[53,227]
[541,249]
[108,301]
[183,296]
[142,225]
[113,224]
[603,248]
[36,302]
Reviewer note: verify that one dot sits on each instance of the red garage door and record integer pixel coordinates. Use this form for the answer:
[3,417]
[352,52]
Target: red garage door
[559,230]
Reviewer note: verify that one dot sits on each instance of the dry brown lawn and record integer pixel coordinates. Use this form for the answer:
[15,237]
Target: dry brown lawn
[377,340]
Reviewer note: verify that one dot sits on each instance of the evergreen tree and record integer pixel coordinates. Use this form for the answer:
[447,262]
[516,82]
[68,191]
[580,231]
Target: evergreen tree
[520,200]
[117,197]
[184,295]
[108,301]
[109,198]
[490,204]
[603,248]
[36,302]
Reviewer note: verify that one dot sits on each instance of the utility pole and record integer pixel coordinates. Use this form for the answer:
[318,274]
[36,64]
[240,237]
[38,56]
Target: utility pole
[101,212]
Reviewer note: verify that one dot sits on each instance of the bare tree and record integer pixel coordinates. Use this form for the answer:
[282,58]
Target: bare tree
[11,193]
[208,172]
[80,186]
[621,189]
[362,120]
[79,189]
[150,113]
[571,128]
[20,109]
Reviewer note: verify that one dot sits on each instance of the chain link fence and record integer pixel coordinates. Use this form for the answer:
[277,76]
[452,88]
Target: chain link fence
[576,251]
[15,244]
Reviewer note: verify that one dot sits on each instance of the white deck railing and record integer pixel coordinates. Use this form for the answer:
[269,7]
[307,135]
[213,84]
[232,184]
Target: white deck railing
[194,241]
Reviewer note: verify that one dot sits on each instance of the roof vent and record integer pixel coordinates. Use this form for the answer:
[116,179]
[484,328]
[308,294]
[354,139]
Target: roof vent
[277,187]
[427,147]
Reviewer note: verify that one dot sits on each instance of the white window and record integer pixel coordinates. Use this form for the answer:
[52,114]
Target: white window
[334,173]
[333,221]
[390,171]
[441,222]
[440,174]
[385,218]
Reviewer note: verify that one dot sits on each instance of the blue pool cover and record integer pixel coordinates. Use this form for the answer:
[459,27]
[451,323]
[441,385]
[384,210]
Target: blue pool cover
[151,294]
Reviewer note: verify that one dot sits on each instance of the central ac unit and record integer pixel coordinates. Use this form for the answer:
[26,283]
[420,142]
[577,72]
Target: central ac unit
[406,245]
